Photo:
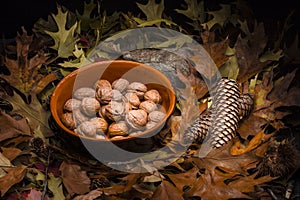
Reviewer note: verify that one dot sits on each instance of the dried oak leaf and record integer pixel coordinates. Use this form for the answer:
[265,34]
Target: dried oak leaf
[248,51]
[74,178]
[186,179]
[86,17]
[152,10]
[238,148]
[195,11]
[126,185]
[24,71]
[221,158]
[34,113]
[89,196]
[11,128]
[219,17]
[272,94]
[13,176]
[167,191]
[54,184]
[11,153]
[64,40]
[207,187]
[217,50]
[248,183]
[251,126]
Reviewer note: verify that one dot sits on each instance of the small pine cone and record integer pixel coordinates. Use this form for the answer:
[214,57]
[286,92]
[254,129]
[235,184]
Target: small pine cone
[280,159]
[225,122]
[246,105]
[101,182]
[197,132]
[38,146]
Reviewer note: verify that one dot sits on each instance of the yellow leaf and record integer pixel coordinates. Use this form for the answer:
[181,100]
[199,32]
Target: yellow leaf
[219,17]
[64,40]
[152,10]
[238,148]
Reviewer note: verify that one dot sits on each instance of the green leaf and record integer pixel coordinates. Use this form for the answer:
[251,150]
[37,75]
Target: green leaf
[64,40]
[76,63]
[231,67]
[143,23]
[194,11]
[271,56]
[55,185]
[219,17]
[35,114]
[86,18]
[152,10]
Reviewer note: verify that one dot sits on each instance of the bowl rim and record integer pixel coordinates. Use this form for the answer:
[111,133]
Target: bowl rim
[54,97]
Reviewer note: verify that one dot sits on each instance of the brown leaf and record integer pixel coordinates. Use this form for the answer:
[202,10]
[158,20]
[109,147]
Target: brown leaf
[13,176]
[11,153]
[184,179]
[222,158]
[271,94]
[251,126]
[217,50]
[74,178]
[89,196]
[209,188]
[24,71]
[248,183]
[10,128]
[262,90]
[248,51]
[130,180]
[238,148]
[167,191]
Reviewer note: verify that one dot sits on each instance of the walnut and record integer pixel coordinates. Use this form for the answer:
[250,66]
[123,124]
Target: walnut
[120,84]
[114,110]
[104,95]
[68,120]
[133,99]
[100,124]
[117,95]
[90,106]
[102,111]
[102,83]
[83,92]
[87,128]
[152,95]
[79,117]
[148,106]
[156,116]
[136,119]
[118,129]
[138,88]
[150,124]
[71,105]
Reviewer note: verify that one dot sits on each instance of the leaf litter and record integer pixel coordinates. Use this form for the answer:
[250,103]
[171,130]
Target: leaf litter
[237,170]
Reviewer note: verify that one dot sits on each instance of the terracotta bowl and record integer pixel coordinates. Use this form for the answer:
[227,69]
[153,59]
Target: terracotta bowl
[111,70]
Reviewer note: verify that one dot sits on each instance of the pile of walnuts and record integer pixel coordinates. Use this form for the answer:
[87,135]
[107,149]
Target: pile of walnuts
[114,109]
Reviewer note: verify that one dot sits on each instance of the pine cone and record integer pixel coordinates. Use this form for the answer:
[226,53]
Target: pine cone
[226,118]
[197,132]
[246,105]
[280,159]
[38,146]
[101,182]
[221,121]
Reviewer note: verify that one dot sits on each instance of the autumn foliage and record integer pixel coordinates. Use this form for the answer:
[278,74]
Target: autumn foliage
[259,163]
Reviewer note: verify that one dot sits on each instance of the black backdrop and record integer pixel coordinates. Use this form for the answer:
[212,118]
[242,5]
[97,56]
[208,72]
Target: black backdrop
[18,13]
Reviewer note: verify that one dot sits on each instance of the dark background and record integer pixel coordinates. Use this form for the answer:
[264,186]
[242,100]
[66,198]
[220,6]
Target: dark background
[18,13]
